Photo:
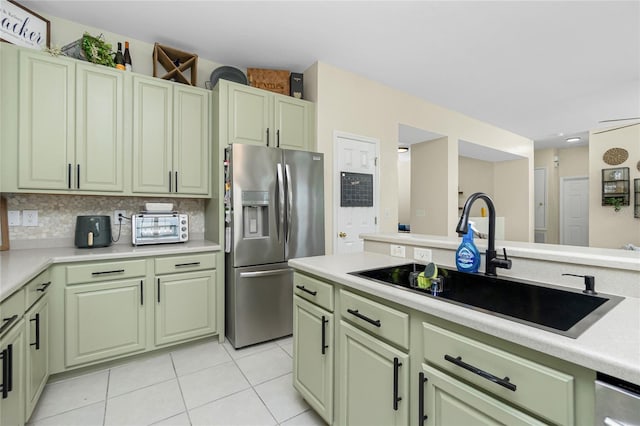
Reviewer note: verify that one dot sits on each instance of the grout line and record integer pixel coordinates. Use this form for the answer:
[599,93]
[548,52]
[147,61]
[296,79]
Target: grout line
[106,398]
[184,403]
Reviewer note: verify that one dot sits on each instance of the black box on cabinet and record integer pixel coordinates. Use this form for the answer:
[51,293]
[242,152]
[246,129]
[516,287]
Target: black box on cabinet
[295,85]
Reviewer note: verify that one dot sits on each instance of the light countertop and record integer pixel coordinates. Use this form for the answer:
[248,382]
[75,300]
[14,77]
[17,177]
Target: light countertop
[17,267]
[611,345]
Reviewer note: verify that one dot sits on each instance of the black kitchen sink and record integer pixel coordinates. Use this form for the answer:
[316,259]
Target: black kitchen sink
[557,309]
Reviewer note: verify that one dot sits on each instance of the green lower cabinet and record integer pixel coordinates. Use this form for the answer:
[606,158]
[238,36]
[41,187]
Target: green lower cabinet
[313,364]
[185,306]
[104,320]
[374,380]
[449,402]
[12,360]
[37,352]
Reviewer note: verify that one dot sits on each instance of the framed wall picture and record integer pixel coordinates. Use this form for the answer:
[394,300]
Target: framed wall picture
[4,225]
[23,27]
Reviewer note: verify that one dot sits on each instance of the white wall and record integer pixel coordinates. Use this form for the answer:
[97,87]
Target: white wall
[404,187]
[475,176]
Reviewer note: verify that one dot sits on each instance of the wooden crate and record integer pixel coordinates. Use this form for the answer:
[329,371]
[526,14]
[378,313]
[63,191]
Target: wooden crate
[273,80]
[177,64]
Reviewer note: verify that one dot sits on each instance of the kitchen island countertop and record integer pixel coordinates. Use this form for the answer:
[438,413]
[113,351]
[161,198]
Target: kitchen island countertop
[611,345]
[17,267]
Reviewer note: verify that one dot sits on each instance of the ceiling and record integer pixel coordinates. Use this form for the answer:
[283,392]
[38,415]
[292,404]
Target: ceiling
[543,70]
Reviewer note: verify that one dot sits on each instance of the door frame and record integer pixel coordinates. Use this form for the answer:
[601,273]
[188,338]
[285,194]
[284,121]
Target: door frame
[337,134]
[561,200]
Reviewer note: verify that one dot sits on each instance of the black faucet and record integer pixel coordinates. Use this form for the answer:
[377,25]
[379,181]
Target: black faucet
[492,261]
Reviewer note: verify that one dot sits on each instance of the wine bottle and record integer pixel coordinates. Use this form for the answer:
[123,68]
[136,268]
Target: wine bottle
[127,57]
[119,59]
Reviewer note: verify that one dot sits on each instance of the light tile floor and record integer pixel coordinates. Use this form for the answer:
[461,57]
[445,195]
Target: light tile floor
[203,384]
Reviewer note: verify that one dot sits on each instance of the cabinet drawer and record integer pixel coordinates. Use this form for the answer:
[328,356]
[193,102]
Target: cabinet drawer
[186,263]
[11,310]
[313,290]
[94,272]
[540,389]
[378,319]
[37,287]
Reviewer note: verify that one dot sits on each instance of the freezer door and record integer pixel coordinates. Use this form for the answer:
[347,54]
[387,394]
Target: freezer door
[257,193]
[259,304]
[304,219]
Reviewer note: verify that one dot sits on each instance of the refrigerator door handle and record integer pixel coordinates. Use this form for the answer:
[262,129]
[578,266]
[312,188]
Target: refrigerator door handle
[289,219]
[264,273]
[280,208]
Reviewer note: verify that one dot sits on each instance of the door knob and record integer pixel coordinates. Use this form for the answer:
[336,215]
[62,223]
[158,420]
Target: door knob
[342,234]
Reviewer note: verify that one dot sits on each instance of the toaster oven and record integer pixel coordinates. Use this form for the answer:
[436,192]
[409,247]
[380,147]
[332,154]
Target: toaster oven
[159,228]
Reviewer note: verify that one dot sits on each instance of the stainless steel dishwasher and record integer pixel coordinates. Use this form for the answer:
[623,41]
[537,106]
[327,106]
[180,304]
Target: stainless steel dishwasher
[617,402]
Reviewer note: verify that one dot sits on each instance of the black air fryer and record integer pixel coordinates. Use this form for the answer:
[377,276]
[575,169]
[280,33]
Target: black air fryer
[93,231]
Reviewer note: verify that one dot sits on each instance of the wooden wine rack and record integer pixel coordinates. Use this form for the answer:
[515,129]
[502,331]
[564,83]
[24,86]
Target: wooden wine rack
[177,64]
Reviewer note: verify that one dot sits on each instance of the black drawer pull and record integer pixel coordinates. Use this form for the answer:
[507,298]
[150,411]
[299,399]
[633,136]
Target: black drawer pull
[169,180]
[158,290]
[363,317]
[396,366]
[141,292]
[421,381]
[7,323]
[176,173]
[44,286]
[182,265]
[37,342]
[4,355]
[116,271]
[502,382]
[306,290]
[69,176]
[324,338]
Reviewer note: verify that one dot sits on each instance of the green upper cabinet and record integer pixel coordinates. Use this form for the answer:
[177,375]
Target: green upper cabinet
[170,138]
[259,117]
[70,125]
[46,122]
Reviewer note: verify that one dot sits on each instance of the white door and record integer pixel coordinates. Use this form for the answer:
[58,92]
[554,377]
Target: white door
[574,211]
[355,191]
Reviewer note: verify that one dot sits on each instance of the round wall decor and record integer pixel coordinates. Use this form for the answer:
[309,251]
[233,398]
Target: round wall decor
[615,156]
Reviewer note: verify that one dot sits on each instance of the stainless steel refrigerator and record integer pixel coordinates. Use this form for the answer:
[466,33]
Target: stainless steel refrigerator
[274,211]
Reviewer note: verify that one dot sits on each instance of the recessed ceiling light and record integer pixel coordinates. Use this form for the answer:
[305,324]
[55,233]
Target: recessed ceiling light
[573,140]
[402,149]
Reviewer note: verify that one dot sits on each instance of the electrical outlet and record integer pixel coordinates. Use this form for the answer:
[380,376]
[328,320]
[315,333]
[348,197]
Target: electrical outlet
[422,254]
[116,215]
[397,251]
[29,217]
[15,217]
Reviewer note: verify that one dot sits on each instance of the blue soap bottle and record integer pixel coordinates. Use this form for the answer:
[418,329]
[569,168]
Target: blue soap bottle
[467,255]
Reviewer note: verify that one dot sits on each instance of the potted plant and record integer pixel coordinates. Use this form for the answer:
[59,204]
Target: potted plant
[92,49]
[616,202]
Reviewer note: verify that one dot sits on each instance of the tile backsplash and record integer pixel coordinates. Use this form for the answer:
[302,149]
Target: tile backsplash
[57,216]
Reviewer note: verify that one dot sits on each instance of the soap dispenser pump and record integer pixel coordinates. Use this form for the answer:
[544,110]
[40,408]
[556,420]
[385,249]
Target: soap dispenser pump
[467,255]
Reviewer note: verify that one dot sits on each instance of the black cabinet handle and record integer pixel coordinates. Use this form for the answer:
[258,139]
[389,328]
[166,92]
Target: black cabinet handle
[7,323]
[396,366]
[78,176]
[421,381]
[44,286]
[306,290]
[355,312]
[141,293]
[502,382]
[158,290]
[115,271]
[267,136]
[176,173]
[325,321]
[4,354]
[69,176]
[182,265]
[169,180]
[37,342]
[278,138]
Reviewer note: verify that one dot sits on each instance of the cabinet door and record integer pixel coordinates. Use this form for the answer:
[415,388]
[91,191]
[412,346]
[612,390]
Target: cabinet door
[294,120]
[37,350]
[12,356]
[249,116]
[191,140]
[99,128]
[152,135]
[104,320]
[450,402]
[374,386]
[185,306]
[313,361]
[46,122]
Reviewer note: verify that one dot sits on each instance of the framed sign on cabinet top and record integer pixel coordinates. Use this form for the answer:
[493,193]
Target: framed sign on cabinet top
[23,27]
